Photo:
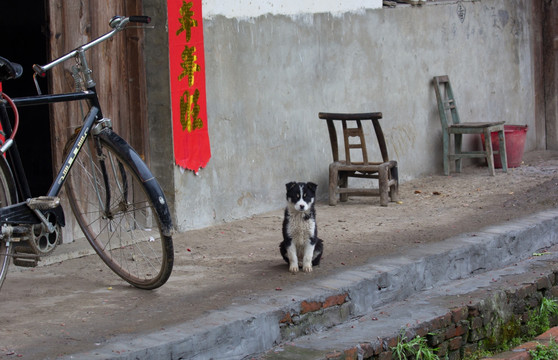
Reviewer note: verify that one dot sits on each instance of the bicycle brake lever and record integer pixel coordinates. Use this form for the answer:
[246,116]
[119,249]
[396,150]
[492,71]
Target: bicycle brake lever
[39,92]
[115,21]
[118,22]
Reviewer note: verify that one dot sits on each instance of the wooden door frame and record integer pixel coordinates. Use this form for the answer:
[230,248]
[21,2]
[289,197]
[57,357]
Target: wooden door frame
[545,55]
[117,64]
[550,69]
[118,70]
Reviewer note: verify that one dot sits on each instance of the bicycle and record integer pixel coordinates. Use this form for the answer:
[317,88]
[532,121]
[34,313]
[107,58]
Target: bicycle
[117,202]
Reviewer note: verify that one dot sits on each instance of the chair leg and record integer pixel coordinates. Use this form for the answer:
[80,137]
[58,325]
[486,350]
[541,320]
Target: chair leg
[445,144]
[343,183]
[489,152]
[502,151]
[383,184]
[458,142]
[333,183]
[394,189]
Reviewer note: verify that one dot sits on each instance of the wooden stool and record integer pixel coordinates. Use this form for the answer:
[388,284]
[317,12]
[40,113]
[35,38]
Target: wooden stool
[341,170]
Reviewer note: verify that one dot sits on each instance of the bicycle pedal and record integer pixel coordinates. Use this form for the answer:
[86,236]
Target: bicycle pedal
[25,262]
[24,251]
[25,256]
[43,202]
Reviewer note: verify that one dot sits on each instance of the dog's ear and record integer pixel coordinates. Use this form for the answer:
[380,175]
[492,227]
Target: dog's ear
[290,185]
[312,186]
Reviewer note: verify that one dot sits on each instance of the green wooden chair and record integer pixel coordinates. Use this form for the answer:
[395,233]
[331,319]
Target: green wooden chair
[451,125]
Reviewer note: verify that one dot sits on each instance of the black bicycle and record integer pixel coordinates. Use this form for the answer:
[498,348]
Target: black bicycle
[117,202]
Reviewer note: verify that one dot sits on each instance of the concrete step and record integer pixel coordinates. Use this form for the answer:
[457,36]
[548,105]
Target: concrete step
[361,311]
[454,316]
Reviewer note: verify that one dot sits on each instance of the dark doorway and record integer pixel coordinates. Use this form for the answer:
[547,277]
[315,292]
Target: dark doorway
[24,41]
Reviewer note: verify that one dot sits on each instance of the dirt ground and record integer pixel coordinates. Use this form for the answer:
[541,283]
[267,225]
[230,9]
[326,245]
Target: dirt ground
[79,304]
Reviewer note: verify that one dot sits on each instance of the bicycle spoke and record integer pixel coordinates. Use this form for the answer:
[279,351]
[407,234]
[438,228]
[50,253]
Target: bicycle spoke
[113,210]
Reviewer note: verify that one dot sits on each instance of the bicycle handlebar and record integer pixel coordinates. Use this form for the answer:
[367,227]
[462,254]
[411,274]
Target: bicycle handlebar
[118,23]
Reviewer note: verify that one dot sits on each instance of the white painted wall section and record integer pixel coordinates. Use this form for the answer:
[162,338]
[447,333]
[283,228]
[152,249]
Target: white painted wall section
[255,8]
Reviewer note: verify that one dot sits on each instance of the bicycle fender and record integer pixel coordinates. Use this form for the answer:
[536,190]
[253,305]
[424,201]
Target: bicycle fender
[152,186]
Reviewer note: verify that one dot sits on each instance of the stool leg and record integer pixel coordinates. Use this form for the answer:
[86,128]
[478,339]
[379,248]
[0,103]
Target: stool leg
[333,181]
[503,154]
[394,189]
[445,144]
[458,142]
[489,152]
[343,183]
[383,184]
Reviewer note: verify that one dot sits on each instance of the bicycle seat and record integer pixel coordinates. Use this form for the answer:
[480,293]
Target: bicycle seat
[9,70]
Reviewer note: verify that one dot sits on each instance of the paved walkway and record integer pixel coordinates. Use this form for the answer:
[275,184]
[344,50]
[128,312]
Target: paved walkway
[75,308]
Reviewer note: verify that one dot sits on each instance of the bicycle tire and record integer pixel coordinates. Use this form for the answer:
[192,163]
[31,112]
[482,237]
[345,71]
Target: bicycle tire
[7,197]
[126,225]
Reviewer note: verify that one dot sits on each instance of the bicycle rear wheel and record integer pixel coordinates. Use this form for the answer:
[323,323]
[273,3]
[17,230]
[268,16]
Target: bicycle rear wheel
[7,197]
[115,211]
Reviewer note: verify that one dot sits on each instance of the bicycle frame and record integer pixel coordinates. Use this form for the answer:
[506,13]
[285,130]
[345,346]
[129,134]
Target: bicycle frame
[20,213]
[94,114]
[92,125]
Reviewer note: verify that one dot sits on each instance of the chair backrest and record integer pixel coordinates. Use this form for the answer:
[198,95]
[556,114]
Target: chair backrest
[446,101]
[351,125]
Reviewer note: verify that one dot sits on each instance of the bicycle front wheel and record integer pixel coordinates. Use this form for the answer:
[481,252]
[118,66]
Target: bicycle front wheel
[115,211]
[7,197]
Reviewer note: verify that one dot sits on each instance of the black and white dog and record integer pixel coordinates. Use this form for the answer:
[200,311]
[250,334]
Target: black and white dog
[300,234]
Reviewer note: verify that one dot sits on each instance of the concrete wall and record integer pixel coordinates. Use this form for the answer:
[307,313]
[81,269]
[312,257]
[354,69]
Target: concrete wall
[268,76]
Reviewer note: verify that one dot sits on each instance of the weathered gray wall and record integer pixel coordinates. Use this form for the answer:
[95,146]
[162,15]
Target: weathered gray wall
[268,77]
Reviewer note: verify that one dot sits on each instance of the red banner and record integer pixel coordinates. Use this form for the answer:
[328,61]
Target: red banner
[187,80]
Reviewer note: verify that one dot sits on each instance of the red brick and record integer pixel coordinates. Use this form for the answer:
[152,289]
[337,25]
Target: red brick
[532,288]
[334,355]
[422,332]
[369,350]
[446,320]
[455,343]
[442,349]
[392,342]
[543,283]
[454,331]
[436,338]
[550,334]
[510,355]
[335,300]
[306,307]
[435,323]
[351,354]
[286,319]
[552,292]
[459,314]
[386,355]
[531,345]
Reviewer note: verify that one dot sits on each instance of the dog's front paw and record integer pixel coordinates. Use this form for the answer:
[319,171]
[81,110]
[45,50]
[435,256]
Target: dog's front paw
[307,268]
[293,268]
